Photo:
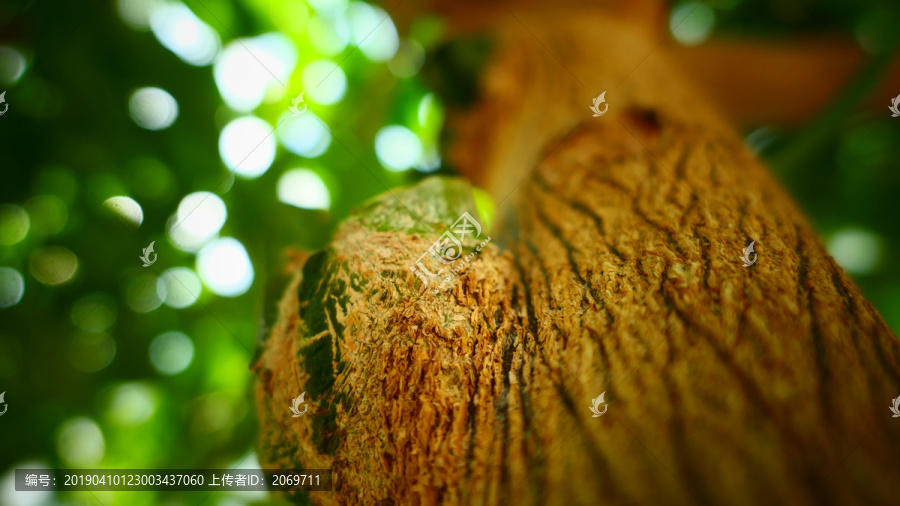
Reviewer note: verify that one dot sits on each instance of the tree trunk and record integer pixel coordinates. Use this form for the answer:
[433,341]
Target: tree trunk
[613,266]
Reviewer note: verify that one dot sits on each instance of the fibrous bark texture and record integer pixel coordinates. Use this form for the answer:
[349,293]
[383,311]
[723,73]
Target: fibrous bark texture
[614,266]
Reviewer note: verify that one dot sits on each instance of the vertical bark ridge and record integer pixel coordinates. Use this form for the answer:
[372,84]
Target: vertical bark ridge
[619,271]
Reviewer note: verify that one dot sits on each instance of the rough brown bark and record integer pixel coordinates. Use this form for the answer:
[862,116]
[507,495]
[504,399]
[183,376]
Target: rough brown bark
[613,268]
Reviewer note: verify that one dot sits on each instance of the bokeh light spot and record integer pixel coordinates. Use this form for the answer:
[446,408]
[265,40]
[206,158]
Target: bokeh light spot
[14,224]
[136,13]
[409,59]
[80,442]
[303,188]
[247,146]
[429,162]
[127,209]
[53,265]
[225,267]
[145,292]
[248,68]
[12,287]
[328,8]
[212,413]
[397,148]
[425,109]
[48,214]
[171,352]
[199,218]
[91,351]
[179,30]
[132,404]
[303,135]
[374,31]
[324,81]
[94,312]
[328,36]
[153,108]
[183,287]
[758,140]
[12,65]
[9,496]
[692,23]
[856,250]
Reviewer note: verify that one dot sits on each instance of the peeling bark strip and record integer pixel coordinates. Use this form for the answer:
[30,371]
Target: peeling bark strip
[620,272]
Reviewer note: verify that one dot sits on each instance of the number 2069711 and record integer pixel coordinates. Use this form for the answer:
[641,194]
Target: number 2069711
[295,480]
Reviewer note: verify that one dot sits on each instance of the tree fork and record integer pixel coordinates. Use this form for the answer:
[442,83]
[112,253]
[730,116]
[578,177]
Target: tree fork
[613,267]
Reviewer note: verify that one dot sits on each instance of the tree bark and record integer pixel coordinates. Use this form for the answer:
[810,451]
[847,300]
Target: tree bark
[614,266]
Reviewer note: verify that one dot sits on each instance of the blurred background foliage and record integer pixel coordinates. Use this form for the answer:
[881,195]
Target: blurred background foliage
[133,122]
